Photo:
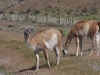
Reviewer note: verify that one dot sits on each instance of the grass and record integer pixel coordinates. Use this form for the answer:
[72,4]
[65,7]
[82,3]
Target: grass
[88,49]
[70,65]
[76,66]
[3,70]
[0,27]
[12,45]
[21,47]
[64,31]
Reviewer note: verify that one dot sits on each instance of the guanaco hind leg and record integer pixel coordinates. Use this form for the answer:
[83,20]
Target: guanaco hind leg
[46,57]
[57,52]
[97,43]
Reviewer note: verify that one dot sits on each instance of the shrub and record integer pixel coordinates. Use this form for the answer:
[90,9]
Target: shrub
[10,26]
[56,9]
[1,12]
[93,10]
[28,11]
[69,12]
[84,9]
[21,12]
[11,12]
[0,28]
[35,12]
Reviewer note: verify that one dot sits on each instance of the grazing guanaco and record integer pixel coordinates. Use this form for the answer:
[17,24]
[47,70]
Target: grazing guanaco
[89,28]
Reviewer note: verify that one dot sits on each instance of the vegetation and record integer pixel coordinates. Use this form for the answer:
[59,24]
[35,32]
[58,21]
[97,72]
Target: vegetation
[11,12]
[60,9]
[0,27]
[16,58]
[1,11]
[84,13]
[64,31]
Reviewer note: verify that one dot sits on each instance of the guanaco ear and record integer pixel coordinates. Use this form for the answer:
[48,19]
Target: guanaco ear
[24,28]
[64,50]
[32,29]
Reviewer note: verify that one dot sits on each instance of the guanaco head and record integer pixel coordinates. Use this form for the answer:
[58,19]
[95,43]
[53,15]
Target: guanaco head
[65,50]
[67,44]
[28,30]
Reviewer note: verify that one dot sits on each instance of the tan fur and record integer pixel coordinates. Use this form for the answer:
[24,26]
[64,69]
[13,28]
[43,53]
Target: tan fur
[37,42]
[80,30]
[45,34]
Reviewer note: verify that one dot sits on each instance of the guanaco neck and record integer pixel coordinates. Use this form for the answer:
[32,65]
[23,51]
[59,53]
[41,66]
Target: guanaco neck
[27,38]
[29,41]
[68,40]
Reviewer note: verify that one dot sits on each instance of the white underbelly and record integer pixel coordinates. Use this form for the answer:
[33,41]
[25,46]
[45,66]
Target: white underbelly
[52,42]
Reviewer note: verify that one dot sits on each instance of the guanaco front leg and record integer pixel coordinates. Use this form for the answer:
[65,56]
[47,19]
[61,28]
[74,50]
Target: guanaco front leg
[80,44]
[77,45]
[97,43]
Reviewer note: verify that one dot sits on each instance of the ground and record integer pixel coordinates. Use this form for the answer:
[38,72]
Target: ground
[16,58]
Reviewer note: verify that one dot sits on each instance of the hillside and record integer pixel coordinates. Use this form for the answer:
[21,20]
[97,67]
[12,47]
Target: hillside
[23,5]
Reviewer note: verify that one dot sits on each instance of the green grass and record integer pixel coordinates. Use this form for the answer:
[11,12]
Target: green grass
[64,31]
[3,70]
[88,49]
[20,46]
[73,66]
[76,66]
[69,65]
